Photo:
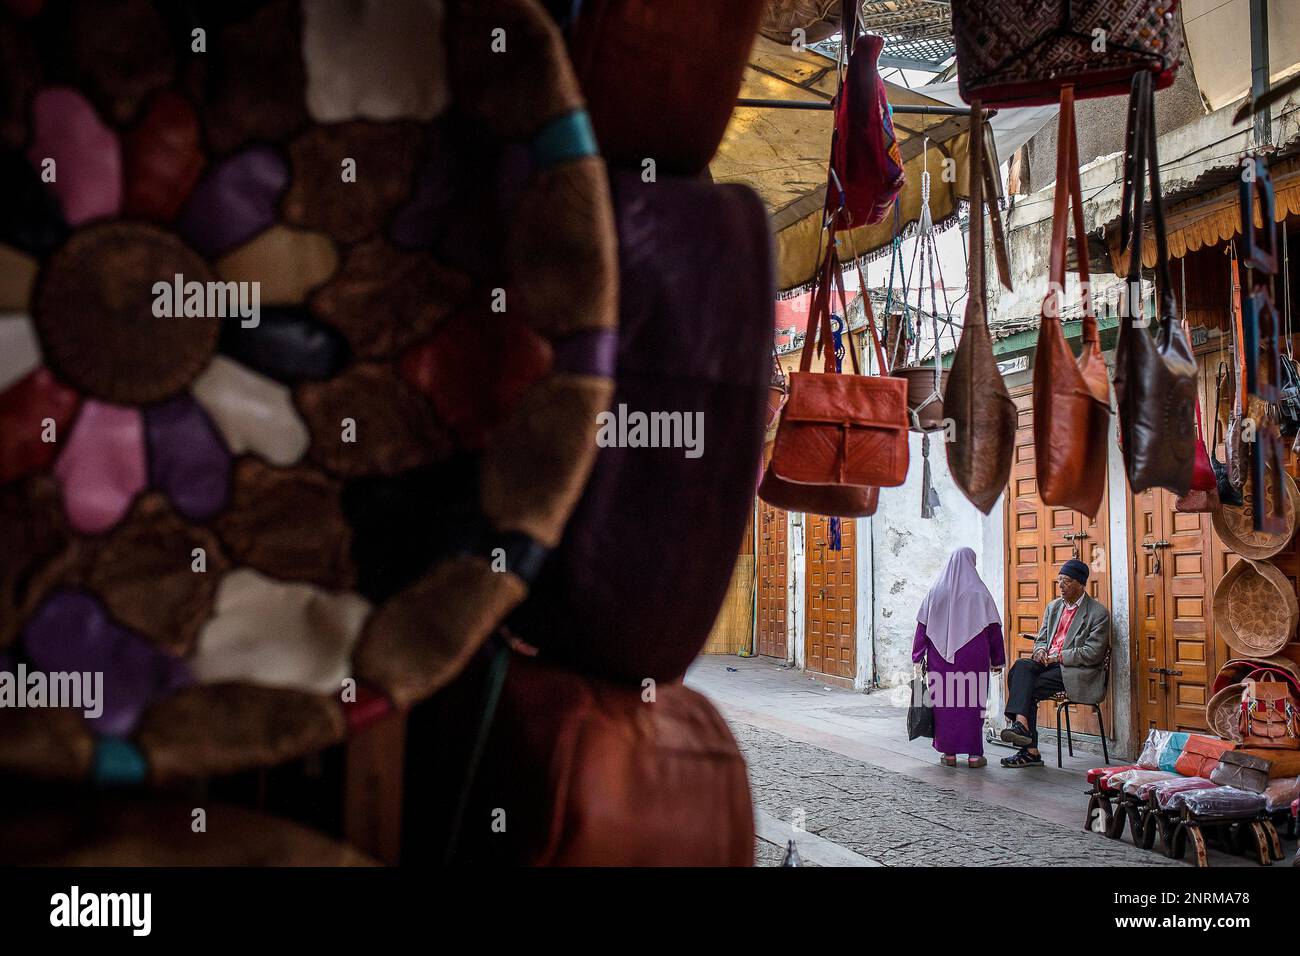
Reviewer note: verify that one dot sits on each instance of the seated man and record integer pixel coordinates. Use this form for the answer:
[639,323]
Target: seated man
[1068,655]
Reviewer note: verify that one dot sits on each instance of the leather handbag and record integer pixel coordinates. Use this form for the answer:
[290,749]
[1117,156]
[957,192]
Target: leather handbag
[1269,714]
[1204,494]
[1071,397]
[653,89]
[1289,387]
[1155,376]
[1226,491]
[920,712]
[589,772]
[976,398]
[1241,771]
[1023,52]
[1201,755]
[866,165]
[839,429]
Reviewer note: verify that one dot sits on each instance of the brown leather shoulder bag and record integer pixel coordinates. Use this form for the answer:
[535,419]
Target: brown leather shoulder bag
[1155,376]
[1071,398]
[976,398]
[837,431]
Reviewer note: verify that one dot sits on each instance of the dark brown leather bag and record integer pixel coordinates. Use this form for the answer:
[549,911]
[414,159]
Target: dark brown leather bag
[1071,398]
[1269,715]
[1241,771]
[837,431]
[976,397]
[1155,376]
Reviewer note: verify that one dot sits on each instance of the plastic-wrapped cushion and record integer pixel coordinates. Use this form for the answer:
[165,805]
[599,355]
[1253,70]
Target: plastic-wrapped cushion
[1166,791]
[1140,783]
[1173,749]
[1116,781]
[1220,802]
[1098,775]
[1281,794]
[1156,740]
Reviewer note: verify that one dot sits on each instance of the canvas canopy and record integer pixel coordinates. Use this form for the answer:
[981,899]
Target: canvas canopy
[782,154]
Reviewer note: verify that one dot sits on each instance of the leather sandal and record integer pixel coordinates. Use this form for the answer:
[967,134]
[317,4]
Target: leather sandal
[976,762]
[1016,733]
[948,760]
[1022,758]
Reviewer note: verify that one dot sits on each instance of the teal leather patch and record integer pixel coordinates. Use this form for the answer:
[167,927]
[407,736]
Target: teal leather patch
[563,139]
[118,763]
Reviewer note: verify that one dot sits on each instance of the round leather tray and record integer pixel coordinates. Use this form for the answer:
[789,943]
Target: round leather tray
[1222,710]
[1255,609]
[1234,524]
[312,514]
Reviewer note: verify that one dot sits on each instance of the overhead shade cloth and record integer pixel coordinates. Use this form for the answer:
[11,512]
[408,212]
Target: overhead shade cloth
[1218,42]
[782,154]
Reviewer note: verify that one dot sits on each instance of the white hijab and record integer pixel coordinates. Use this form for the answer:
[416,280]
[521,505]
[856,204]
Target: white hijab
[958,605]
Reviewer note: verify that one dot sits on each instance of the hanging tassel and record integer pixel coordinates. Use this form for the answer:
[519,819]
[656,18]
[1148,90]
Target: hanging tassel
[929,497]
[833,535]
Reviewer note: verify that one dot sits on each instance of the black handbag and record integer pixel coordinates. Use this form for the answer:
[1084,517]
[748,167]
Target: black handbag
[920,713]
[1155,376]
[1289,404]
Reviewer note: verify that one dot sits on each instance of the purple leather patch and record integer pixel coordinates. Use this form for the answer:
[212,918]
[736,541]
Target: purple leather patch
[235,200]
[102,467]
[72,633]
[593,352]
[188,461]
[86,154]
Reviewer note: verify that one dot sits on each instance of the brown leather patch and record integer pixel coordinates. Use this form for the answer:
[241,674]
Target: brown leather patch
[393,428]
[212,729]
[288,523]
[49,743]
[34,550]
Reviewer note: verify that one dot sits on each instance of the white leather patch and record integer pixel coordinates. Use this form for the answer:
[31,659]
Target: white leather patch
[20,349]
[374,59]
[253,413]
[279,634]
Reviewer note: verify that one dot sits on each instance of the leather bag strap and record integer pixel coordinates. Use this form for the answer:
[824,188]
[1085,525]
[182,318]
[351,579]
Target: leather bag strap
[978,293]
[1069,193]
[1142,164]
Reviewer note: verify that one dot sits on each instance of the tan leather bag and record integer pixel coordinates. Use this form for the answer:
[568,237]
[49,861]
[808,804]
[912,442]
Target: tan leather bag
[1071,398]
[1269,715]
[976,398]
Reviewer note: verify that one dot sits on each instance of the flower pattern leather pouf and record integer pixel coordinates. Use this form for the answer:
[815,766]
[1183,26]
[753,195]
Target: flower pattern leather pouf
[290,398]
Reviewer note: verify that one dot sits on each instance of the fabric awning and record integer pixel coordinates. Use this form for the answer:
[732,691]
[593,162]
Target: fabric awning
[782,154]
[1218,43]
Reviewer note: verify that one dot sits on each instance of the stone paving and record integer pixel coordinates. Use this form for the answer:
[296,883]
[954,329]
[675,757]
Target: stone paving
[898,820]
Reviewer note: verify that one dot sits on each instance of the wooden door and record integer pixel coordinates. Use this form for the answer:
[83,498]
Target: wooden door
[831,600]
[772,625]
[1040,538]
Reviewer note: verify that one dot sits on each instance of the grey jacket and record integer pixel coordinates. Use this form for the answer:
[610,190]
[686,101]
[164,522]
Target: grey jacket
[1086,643]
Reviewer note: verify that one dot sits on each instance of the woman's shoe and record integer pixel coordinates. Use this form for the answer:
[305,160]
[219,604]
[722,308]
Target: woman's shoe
[976,762]
[948,760]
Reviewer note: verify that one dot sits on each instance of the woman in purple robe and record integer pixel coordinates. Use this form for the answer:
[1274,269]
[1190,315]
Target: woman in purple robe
[959,636]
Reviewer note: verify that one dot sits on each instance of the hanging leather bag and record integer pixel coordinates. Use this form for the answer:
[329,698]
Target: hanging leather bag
[1269,715]
[1155,376]
[976,398]
[1071,397]
[839,429]
[1204,494]
[1228,493]
[867,167]
[1024,52]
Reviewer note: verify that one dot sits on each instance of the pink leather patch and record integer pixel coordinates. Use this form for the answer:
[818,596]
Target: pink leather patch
[87,156]
[24,408]
[102,467]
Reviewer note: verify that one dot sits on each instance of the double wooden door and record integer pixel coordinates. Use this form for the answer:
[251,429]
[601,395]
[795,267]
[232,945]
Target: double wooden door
[772,624]
[831,599]
[1040,538]
[1174,653]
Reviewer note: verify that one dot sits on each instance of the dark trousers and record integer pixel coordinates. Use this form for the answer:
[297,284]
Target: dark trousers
[1027,684]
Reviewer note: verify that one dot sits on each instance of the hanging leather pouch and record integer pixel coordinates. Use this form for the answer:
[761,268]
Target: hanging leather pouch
[1071,398]
[976,399]
[1155,376]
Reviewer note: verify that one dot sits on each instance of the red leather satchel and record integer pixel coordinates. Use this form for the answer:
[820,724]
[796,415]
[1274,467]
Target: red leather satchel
[839,429]
[867,167]
[1023,52]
